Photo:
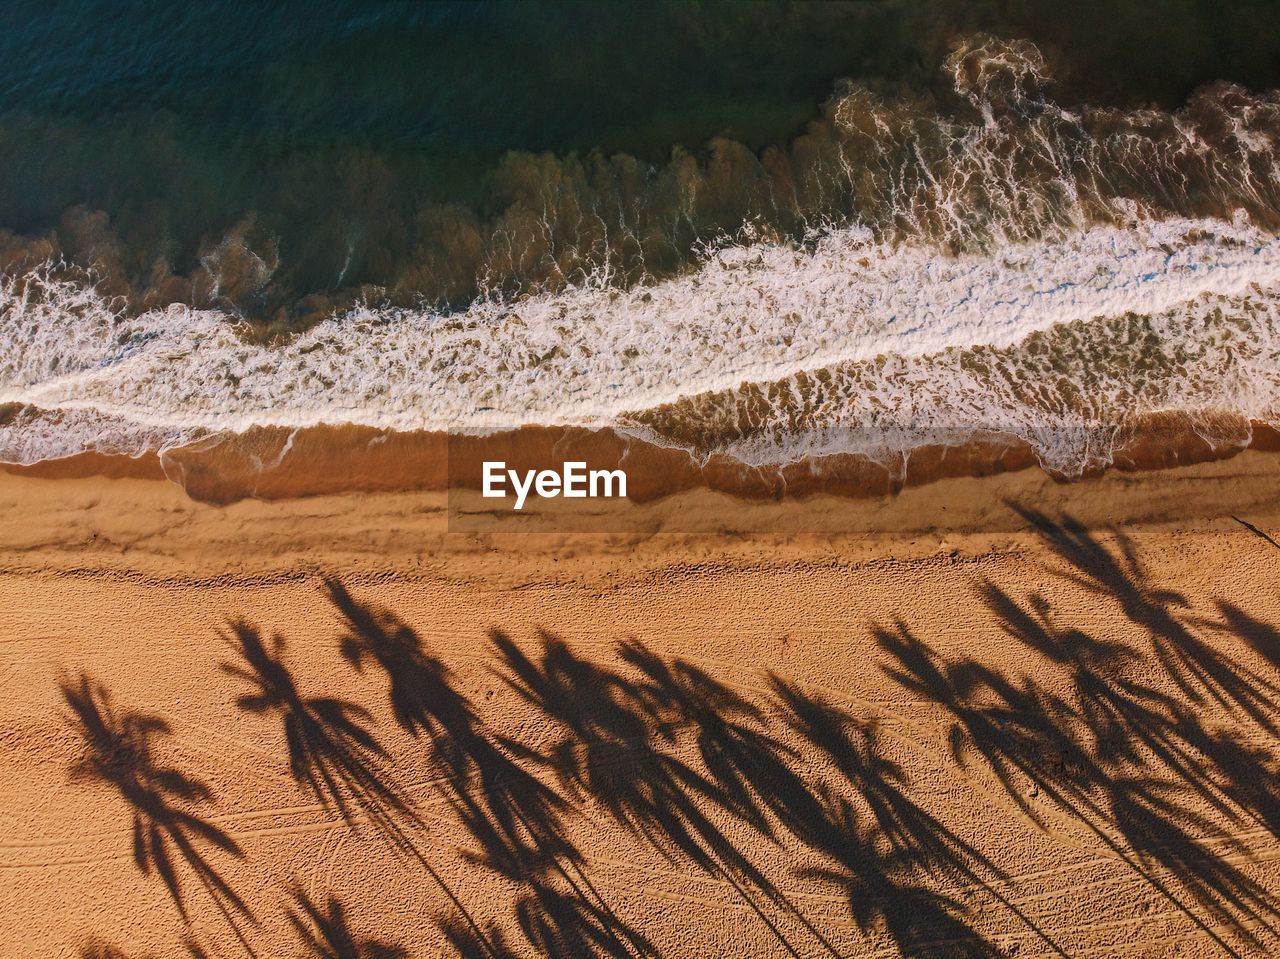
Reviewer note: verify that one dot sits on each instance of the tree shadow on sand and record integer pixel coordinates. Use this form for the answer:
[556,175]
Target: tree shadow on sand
[888,853]
[1048,759]
[682,761]
[468,942]
[96,949]
[1219,765]
[120,752]
[616,749]
[515,820]
[1201,672]
[331,750]
[326,933]
[621,739]
[1135,764]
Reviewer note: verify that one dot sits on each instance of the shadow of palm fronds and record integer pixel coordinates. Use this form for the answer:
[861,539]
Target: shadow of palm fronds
[96,949]
[560,922]
[886,849]
[421,697]
[331,749]
[1200,671]
[1117,739]
[472,942]
[325,932]
[514,817]
[617,742]
[748,767]
[120,752]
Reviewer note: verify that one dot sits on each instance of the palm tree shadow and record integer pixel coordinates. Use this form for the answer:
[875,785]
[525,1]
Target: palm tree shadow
[881,859]
[1219,766]
[610,752]
[96,949]
[1015,734]
[747,767]
[1262,638]
[616,744]
[120,752]
[1156,765]
[1201,672]
[512,812]
[470,942]
[1128,760]
[331,750]
[326,933]
[1250,772]
[563,922]
[514,818]
[1130,721]
[420,684]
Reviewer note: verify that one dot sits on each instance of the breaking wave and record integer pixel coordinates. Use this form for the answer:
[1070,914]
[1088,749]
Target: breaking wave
[898,278]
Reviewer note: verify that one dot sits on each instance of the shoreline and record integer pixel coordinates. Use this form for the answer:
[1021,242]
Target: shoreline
[271,463]
[153,528]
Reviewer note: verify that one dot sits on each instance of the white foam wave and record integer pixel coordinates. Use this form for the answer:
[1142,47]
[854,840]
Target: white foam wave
[751,313]
[1074,393]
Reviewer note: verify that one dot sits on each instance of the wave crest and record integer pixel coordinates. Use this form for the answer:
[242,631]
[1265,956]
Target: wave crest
[896,276]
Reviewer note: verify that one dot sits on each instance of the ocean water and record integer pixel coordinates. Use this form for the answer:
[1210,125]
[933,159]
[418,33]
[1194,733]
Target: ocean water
[767,231]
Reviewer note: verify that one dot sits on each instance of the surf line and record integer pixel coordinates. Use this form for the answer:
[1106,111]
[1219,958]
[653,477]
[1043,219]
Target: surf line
[573,481]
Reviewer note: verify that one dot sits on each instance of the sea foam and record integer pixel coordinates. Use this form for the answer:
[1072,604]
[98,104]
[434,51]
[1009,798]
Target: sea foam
[595,356]
[1021,269]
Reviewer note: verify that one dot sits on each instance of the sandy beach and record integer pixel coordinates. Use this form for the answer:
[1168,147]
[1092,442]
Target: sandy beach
[997,716]
[675,480]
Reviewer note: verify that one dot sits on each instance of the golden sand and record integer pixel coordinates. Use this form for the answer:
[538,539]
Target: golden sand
[986,716]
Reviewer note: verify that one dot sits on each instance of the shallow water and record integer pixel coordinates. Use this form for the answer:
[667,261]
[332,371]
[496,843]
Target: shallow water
[220,223]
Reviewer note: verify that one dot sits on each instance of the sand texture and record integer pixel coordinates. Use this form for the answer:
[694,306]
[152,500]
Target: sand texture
[999,716]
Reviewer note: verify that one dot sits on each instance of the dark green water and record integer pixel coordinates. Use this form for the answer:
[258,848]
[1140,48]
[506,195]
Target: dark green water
[363,145]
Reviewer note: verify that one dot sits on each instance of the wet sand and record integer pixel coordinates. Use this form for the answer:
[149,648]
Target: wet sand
[271,463]
[987,716]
